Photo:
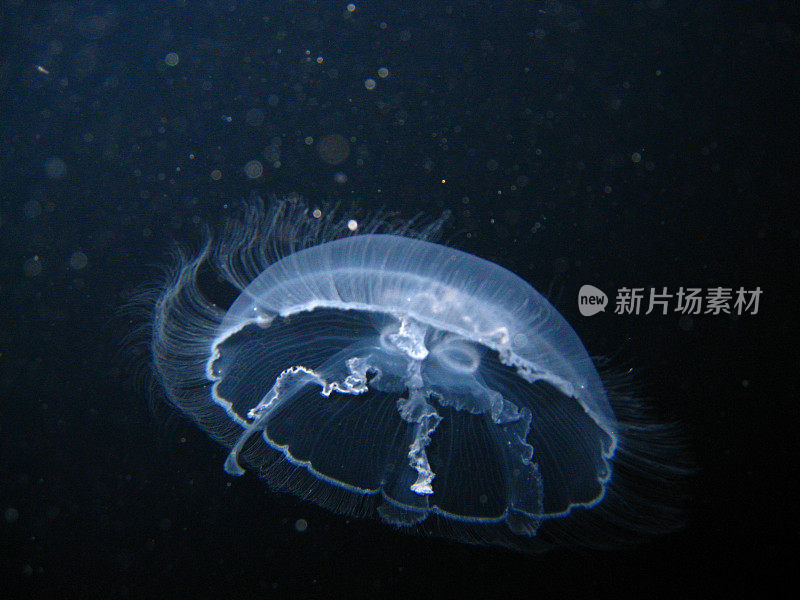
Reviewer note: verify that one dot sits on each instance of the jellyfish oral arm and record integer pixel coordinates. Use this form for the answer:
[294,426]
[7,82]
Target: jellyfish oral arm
[288,383]
[416,409]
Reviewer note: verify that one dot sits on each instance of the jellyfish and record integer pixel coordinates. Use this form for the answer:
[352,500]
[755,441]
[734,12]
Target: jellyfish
[370,370]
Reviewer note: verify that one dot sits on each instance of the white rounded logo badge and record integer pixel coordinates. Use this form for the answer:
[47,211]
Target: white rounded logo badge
[591,300]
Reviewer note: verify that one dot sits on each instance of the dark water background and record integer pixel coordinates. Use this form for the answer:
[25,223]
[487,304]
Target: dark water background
[618,143]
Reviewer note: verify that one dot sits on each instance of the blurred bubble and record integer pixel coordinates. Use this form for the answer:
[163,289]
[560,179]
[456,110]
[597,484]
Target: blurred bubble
[172,59]
[561,265]
[32,209]
[383,72]
[32,267]
[11,515]
[55,167]
[370,84]
[254,117]
[78,260]
[301,525]
[95,27]
[254,169]
[333,149]
[686,322]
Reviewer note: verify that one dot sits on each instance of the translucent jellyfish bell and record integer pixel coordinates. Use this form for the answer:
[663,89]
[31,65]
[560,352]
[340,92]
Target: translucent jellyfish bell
[383,373]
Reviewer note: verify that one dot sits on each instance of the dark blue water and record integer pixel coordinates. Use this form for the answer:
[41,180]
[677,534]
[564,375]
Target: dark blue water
[617,143]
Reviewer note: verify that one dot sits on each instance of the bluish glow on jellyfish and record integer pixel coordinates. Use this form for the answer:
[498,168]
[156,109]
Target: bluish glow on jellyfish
[375,372]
